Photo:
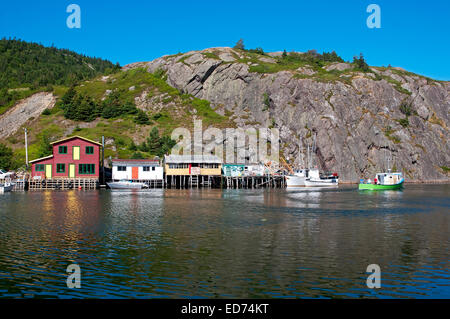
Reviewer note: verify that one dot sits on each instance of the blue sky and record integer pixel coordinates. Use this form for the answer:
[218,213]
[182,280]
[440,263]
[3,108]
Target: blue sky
[414,34]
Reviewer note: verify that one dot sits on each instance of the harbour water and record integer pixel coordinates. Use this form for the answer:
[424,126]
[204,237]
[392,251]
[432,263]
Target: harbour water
[212,243]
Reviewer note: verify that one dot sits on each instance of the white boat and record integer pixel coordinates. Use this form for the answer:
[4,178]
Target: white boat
[316,179]
[297,179]
[6,187]
[311,177]
[125,184]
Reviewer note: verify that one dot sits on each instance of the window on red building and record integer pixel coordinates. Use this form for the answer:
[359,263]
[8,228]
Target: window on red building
[86,169]
[60,168]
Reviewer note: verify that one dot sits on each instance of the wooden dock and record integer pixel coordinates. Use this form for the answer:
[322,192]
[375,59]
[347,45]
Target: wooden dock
[19,184]
[266,181]
[63,183]
[201,181]
[171,181]
[192,181]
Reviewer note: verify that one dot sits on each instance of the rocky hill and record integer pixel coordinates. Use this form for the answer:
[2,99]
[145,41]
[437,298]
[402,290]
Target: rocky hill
[22,112]
[355,114]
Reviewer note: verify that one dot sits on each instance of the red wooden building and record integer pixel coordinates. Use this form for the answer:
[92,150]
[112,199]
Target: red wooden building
[73,157]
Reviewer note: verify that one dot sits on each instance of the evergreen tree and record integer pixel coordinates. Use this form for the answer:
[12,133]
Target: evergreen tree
[6,155]
[116,105]
[69,95]
[167,144]
[137,155]
[132,146]
[240,45]
[153,141]
[142,118]
[86,109]
[45,149]
[67,103]
[360,63]
[27,64]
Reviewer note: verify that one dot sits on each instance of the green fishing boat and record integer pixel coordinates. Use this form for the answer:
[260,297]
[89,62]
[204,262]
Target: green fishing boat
[383,181]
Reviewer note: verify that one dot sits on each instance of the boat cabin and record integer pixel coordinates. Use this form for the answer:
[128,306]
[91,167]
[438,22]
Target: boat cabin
[388,178]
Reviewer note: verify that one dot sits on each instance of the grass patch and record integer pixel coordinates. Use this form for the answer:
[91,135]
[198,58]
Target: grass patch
[173,55]
[182,59]
[403,122]
[388,131]
[266,102]
[209,116]
[397,85]
[435,120]
[211,55]
[445,169]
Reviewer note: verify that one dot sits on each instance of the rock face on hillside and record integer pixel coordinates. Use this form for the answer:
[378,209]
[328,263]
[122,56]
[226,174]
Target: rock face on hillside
[30,107]
[356,116]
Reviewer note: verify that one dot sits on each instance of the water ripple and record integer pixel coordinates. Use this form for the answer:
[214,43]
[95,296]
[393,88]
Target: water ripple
[226,244]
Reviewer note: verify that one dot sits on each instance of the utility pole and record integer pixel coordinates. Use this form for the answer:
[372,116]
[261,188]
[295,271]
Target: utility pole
[103,159]
[26,147]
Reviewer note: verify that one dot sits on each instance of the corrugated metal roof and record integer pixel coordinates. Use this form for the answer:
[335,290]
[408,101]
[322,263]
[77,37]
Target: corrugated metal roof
[135,162]
[245,164]
[176,159]
[41,159]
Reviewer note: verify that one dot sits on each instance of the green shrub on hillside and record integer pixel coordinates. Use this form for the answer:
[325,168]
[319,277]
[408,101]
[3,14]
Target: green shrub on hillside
[239,45]
[404,122]
[266,101]
[157,145]
[137,155]
[142,118]
[8,97]
[81,107]
[360,64]
[6,155]
[114,105]
[406,109]
[293,60]
[44,147]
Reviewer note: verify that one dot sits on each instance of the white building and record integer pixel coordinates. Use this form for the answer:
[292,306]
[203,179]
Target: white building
[255,170]
[136,169]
